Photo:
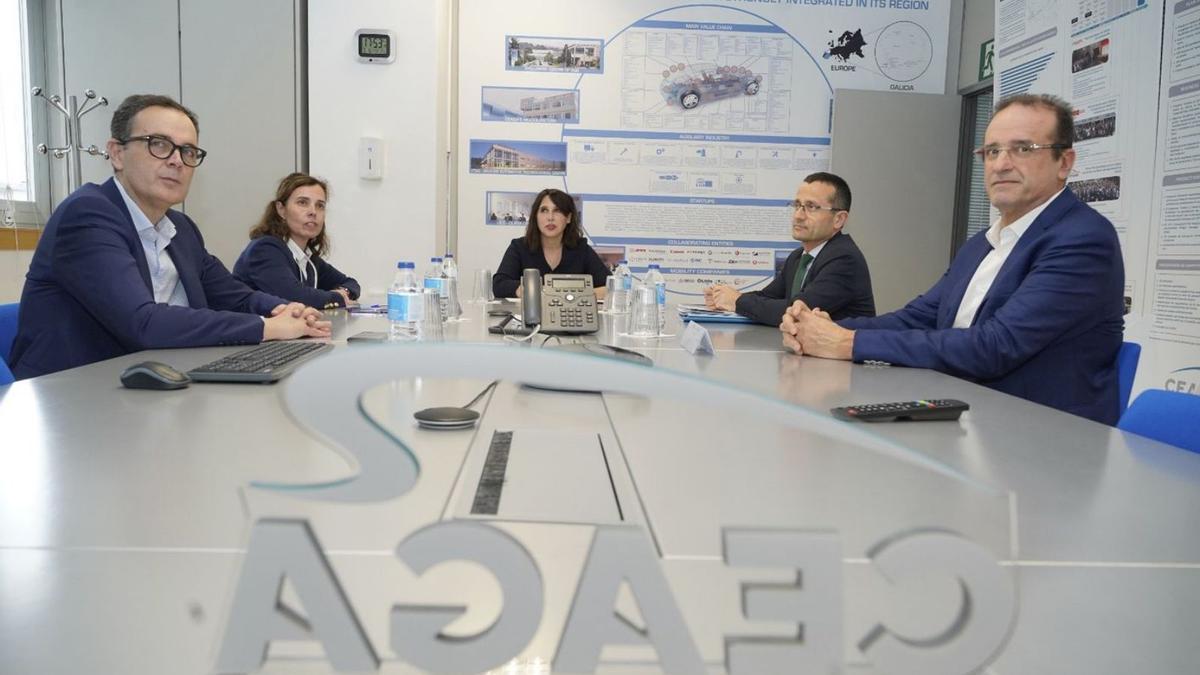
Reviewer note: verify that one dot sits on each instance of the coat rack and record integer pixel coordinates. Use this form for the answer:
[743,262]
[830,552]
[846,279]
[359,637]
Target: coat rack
[74,145]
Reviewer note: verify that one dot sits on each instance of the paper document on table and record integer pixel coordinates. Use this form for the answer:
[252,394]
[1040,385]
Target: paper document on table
[703,314]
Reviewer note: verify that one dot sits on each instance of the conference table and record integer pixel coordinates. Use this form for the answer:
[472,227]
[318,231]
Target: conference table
[125,514]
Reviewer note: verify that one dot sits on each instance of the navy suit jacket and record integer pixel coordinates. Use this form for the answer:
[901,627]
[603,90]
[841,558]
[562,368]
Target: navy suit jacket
[88,294]
[838,282]
[1049,327]
[267,265]
[582,259]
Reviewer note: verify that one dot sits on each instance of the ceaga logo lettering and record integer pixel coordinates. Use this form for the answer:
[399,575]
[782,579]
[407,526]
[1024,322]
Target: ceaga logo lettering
[325,397]
[1185,380]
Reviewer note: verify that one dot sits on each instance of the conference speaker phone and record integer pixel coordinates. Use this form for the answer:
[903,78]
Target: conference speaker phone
[559,304]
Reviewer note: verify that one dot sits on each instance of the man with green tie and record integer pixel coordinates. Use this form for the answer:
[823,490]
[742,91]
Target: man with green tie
[828,271]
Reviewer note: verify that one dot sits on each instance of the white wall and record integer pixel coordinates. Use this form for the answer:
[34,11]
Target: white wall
[978,25]
[13,266]
[373,224]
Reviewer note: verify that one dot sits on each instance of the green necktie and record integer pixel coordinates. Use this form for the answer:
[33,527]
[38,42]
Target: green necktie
[801,269]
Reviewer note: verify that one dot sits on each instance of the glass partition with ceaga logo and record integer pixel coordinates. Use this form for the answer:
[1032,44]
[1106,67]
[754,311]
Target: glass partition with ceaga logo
[603,514]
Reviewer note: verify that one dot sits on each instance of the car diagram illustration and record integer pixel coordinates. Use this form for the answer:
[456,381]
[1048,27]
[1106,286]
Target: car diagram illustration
[689,86]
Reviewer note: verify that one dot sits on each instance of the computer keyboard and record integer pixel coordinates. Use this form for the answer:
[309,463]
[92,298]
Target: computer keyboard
[267,362]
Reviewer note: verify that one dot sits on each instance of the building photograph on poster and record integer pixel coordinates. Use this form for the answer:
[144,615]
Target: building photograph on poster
[529,104]
[518,157]
[554,54]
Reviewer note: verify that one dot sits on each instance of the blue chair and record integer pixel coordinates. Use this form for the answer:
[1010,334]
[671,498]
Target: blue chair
[1169,416]
[1127,363]
[8,331]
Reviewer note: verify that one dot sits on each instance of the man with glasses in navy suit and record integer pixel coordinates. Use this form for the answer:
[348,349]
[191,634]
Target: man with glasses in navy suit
[828,271]
[117,271]
[1033,306]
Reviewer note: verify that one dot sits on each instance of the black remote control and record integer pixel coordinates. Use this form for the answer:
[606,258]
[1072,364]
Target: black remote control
[932,409]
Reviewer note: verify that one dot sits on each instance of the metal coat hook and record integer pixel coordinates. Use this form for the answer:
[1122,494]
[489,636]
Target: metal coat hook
[74,147]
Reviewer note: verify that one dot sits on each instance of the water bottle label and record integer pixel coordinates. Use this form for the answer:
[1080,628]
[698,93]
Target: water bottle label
[397,307]
[627,282]
[405,307]
[436,283]
[661,290]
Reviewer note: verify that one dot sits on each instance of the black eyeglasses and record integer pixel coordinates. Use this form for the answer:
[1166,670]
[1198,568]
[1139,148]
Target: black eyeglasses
[991,153]
[809,207]
[162,148]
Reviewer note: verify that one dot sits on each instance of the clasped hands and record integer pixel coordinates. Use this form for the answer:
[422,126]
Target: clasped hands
[721,296]
[294,320]
[813,333]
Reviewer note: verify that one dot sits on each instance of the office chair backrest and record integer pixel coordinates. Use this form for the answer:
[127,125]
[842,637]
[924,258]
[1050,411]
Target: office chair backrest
[1168,416]
[8,331]
[1127,363]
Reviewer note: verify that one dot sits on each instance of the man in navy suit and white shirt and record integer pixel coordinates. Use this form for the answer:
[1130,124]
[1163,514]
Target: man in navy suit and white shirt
[1033,306]
[117,271]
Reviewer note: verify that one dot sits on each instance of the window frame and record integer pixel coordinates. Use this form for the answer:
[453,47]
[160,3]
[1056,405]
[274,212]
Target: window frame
[967,142]
[33,212]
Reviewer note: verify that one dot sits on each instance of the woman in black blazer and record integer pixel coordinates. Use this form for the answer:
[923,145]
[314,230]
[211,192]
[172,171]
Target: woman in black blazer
[552,244]
[284,254]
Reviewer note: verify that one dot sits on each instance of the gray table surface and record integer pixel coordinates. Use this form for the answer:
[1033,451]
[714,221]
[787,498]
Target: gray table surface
[123,513]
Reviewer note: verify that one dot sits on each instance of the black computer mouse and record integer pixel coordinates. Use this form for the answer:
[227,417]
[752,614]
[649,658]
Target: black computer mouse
[154,375]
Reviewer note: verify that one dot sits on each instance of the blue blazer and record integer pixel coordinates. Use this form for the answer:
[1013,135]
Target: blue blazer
[88,294]
[267,265]
[1048,330]
[838,282]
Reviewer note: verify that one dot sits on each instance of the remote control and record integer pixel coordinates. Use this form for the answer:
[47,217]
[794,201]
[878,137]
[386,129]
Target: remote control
[932,409]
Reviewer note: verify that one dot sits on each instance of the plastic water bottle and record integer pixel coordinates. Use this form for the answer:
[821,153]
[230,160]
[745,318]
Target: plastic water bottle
[435,280]
[655,278]
[450,276]
[433,274]
[449,266]
[622,272]
[405,304]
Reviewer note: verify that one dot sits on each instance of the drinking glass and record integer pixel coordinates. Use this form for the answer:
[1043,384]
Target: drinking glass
[431,324]
[616,298]
[644,319]
[482,291]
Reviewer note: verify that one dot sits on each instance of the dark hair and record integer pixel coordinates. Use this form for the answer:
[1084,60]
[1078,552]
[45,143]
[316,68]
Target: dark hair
[1064,117]
[841,191]
[271,224]
[564,202]
[122,120]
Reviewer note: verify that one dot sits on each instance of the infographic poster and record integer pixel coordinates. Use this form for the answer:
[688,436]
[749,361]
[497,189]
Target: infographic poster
[685,129]
[1172,330]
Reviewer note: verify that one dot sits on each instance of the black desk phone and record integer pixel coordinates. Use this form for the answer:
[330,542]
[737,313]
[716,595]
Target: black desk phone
[569,305]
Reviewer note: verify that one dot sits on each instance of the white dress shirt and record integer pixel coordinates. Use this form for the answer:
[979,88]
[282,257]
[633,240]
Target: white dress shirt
[164,278]
[1003,241]
[304,262]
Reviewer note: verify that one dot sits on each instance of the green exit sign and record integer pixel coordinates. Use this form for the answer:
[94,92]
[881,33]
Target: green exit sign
[987,51]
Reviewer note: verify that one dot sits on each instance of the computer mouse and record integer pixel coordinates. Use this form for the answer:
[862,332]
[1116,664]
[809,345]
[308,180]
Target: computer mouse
[153,375]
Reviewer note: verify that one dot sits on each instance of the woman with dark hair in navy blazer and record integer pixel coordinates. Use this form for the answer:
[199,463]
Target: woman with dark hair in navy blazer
[552,244]
[284,254]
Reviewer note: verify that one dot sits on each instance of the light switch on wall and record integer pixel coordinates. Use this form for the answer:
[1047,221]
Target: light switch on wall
[370,158]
